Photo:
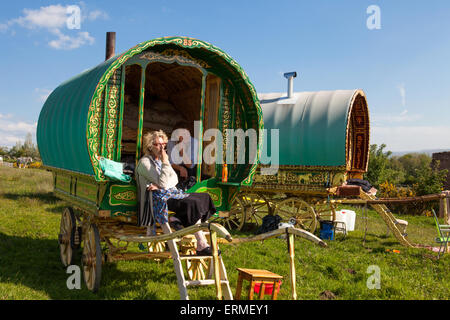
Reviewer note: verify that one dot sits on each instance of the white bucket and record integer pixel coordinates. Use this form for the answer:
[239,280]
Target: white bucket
[348,217]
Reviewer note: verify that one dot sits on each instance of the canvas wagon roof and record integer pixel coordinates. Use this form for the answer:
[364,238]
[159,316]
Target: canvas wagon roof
[312,125]
[68,132]
[63,120]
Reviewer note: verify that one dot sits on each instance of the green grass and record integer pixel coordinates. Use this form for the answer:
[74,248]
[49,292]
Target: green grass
[30,266]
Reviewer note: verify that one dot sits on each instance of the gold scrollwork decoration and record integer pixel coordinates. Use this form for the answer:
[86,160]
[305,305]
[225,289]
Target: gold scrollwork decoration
[128,195]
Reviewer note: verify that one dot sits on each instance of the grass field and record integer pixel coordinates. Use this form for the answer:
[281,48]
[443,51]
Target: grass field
[30,266]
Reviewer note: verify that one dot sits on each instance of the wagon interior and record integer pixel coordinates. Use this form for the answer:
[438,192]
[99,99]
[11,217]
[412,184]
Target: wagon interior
[170,93]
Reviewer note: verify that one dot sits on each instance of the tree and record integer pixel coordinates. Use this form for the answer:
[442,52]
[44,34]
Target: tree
[413,170]
[411,163]
[380,168]
[27,149]
[3,151]
[16,151]
[429,179]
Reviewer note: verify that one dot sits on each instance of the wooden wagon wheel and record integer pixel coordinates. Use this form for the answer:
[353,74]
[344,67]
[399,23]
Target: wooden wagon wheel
[236,216]
[256,208]
[300,211]
[156,246]
[67,229]
[325,211]
[92,258]
[198,269]
[247,209]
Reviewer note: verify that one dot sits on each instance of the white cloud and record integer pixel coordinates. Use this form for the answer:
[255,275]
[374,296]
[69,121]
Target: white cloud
[19,127]
[94,15]
[13,130]
[10,140]
[404,116]
[51,17]
[5,116]
[411,138]
[66,42]
[3,27]
[42,94]
[54,19]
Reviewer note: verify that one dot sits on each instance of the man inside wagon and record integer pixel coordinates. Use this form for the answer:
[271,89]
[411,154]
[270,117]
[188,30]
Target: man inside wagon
[183,154]
[158,193]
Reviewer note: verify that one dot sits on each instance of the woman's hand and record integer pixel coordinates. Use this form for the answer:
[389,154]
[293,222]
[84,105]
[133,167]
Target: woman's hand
[152,187]
[164,156]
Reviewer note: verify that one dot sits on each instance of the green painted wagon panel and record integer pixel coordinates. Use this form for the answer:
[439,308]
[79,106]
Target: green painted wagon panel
[312,126]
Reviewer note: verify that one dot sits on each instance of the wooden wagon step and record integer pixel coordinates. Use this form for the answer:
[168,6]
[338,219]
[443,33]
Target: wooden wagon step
[207,282]
[194,257]
[154,255]
[221,231]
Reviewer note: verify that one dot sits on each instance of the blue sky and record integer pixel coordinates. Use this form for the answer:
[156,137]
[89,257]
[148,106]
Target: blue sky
[403,67]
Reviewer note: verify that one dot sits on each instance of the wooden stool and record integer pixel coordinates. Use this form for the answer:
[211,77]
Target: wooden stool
[254,276]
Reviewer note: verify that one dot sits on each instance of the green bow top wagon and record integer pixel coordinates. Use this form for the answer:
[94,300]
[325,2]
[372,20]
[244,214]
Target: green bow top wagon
[323,142]
[104,112]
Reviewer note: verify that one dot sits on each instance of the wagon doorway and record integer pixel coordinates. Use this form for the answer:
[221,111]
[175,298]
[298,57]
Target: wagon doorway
[169,96]
[358,138]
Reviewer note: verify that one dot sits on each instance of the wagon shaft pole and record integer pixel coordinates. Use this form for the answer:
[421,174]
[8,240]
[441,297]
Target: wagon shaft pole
[110,45]
[215,254]
[292,264]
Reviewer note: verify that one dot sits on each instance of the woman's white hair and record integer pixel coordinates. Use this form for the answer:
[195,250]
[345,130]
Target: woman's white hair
[149,137]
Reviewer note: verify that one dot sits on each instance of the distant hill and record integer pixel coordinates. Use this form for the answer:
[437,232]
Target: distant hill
[428,152]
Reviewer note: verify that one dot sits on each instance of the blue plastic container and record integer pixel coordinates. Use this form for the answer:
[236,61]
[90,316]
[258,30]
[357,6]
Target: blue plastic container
[326,230]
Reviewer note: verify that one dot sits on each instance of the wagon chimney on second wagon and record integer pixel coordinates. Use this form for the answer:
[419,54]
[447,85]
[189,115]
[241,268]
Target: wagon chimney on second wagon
[110,45]
[290,76]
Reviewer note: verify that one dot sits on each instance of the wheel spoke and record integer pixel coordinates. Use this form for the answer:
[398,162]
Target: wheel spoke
[285,212]
[204,264]
[90,276]
[92,242]
[235,223]
[259,205]
[256,216]
[200,272]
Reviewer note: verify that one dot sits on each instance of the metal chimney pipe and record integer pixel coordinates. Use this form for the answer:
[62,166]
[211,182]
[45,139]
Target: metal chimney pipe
[110,45]
[290,76]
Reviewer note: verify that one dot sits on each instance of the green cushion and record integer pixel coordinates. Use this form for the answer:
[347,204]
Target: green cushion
[113,170]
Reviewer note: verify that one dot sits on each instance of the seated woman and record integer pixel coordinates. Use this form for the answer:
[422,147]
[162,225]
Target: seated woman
[155,173]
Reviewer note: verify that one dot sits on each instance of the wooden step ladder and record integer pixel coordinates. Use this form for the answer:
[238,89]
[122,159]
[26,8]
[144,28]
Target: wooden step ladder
[389,219]
[217,274]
